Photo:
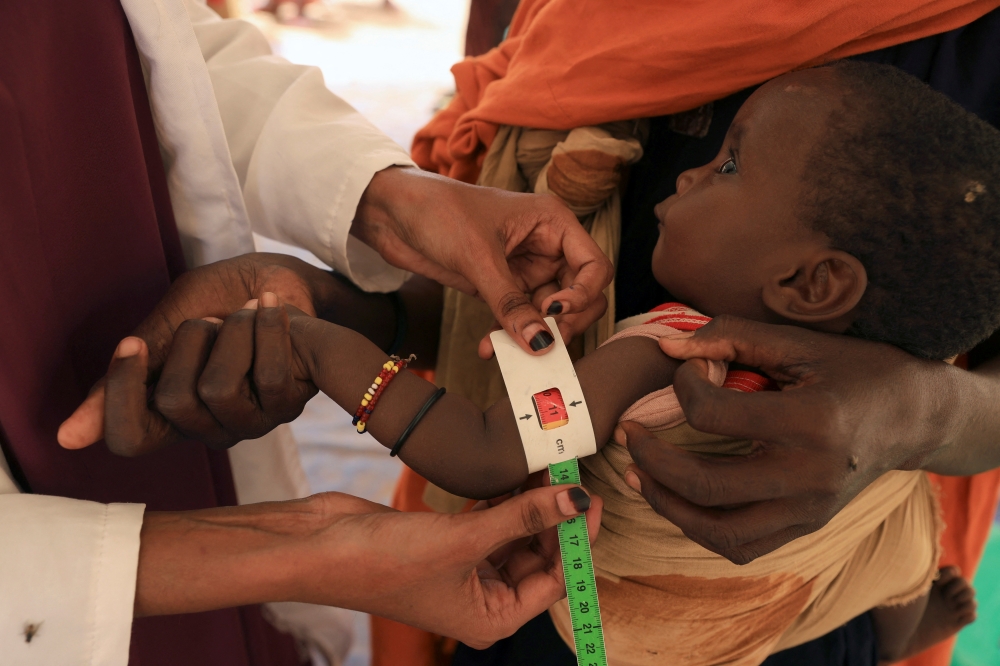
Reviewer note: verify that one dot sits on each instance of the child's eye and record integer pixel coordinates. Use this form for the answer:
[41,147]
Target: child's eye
[729,166]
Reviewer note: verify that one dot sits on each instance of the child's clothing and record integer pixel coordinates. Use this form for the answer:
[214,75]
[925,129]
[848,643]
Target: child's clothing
[665,599]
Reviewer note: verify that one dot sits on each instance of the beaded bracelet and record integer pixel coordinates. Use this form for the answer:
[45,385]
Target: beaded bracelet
[389,370]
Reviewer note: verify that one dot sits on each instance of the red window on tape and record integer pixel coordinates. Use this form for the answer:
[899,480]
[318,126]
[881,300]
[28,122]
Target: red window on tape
[550,409]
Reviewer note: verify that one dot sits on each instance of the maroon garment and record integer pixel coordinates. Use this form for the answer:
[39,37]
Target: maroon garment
[88,246]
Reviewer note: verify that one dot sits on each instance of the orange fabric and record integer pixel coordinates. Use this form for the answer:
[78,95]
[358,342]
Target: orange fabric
[968,504]
[568,64]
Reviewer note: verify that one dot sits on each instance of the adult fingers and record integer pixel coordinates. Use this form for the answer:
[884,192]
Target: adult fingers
[575,298]
[541,295]
[224,385]
[592,270]
[787,416]
[131,427]
[526,515]
[176,395]
[536,584]
[86,424]
[588,269]
[281,397]
[784,352]
[576,323]
[776,472]
[542,551]
[739,534]
[570,325]
[512,307]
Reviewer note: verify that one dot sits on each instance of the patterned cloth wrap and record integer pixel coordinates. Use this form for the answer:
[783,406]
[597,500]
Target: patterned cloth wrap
[667,600]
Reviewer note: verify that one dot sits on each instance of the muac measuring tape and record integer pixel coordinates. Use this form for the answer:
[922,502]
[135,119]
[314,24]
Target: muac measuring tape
[555,428]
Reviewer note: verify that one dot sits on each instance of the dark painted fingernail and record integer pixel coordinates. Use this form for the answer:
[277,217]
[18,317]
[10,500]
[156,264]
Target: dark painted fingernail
[555,307]
[541,340]
[580,499]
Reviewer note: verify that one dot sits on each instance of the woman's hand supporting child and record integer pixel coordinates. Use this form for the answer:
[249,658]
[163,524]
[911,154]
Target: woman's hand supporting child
[850,411]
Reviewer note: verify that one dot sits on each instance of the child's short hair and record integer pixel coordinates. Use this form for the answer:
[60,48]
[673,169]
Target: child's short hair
[908,182]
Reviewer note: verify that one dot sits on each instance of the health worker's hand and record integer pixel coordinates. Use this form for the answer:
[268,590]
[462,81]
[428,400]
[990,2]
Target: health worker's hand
[500,246]
[475,576]
[134,427]
[848,411]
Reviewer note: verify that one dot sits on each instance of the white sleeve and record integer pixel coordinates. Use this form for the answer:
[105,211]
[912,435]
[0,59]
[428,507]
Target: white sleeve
[68,568]
[303,156]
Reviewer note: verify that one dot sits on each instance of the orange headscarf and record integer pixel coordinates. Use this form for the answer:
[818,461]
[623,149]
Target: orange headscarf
[570,63]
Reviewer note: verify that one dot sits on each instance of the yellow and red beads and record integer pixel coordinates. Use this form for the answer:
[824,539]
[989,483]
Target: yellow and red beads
[389,371]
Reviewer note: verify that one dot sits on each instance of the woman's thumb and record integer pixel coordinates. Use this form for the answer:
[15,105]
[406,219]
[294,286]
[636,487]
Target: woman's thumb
[534,511]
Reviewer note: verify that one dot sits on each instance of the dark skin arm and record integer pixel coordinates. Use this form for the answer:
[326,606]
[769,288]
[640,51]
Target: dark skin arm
[457,446]
[373,316]
[849,411]
[498,245]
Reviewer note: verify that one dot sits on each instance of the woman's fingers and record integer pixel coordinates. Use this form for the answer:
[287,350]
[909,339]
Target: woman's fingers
[791,417]
[542,553]
[531,579]
[739,534]
[513,308]
[528,514]
[714,481]
[785,353]
[131,427]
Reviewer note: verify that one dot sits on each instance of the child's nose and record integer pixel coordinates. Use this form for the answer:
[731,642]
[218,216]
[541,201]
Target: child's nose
[686,180]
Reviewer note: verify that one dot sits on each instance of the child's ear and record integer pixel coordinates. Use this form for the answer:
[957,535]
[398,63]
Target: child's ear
[824,288]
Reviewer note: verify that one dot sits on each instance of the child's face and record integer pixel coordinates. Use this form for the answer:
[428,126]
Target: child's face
[731,227]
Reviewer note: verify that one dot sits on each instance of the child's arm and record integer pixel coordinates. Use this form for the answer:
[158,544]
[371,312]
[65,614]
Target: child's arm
[373,315]
[457,446]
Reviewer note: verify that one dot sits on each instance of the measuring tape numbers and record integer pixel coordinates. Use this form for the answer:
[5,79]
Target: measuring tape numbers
[555,429]
[578,571]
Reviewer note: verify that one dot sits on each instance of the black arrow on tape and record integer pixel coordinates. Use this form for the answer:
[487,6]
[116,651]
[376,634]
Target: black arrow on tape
[575,403]
[526,417]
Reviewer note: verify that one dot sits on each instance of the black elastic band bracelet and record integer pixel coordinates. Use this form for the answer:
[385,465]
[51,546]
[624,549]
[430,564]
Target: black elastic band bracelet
[416,419]
[402,322]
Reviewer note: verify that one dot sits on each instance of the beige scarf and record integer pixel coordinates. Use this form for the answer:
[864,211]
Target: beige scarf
[667,600]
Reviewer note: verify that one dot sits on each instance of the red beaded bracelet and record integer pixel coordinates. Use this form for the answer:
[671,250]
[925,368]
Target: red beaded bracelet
[390,369]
